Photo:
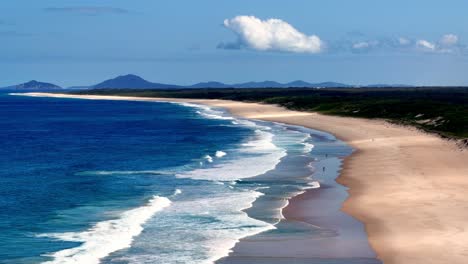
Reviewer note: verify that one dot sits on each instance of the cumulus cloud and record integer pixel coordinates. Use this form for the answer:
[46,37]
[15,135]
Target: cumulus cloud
[426,45]
[270,35]
[447,44]
[361,45]
[364,46]
[449,40]
[403,41]
[87,10]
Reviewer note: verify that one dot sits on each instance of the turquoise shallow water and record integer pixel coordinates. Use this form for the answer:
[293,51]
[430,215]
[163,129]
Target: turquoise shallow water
[137,182]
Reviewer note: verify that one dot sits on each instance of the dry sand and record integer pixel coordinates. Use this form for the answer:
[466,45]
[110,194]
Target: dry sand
[409,188]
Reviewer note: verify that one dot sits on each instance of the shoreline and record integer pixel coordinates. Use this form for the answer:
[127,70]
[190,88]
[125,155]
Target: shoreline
[406,186]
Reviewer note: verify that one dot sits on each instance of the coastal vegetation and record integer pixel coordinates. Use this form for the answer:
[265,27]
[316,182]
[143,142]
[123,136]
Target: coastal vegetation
[441,110]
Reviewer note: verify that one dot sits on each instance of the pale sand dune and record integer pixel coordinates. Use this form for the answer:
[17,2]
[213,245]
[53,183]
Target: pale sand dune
[410,189]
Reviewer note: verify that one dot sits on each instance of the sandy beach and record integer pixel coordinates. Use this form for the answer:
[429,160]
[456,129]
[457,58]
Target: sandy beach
[409,188]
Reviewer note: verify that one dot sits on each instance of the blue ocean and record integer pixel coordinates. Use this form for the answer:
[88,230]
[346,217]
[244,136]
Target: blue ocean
[96,181]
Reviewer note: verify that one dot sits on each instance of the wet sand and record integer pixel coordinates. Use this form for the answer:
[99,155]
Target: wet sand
[409,188]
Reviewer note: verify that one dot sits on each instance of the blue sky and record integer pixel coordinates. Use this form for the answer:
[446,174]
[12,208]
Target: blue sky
[174,41]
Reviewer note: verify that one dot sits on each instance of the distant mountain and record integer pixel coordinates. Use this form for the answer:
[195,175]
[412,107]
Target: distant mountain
[131,81]
[298,83]
[265,84]
[210,85]
[33,85]
[135,82]
[269,84]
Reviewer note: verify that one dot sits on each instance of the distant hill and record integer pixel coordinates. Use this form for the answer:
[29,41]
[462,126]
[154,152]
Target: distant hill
[269,84]
[33,85]
[132,81]
[210,85]
[136,82]
[298,83]
[265,84]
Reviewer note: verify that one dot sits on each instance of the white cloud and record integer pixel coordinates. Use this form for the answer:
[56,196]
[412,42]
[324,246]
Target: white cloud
[404,41]
[449,40]
[426,45]
[365,46]
[270,35]
[447,44]
[361,45]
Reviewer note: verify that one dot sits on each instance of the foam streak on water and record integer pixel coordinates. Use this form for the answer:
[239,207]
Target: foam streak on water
[218,223]
[107,236]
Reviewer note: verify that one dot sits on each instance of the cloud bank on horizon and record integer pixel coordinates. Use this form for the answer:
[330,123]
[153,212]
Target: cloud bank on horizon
[447,44]
[277,35]
[270,35]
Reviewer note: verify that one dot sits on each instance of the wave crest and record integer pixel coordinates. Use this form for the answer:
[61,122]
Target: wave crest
[107,236]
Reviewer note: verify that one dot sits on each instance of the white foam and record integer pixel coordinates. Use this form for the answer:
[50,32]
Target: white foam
[308,147]
[222,241]
[214,115]
[285,204]
[103,173]
[251,124]
[257,157]
[220,154]
[264,142]
[313,185]
[107,236]
[223,224]
[177,192]
[207,111]
[209,158]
